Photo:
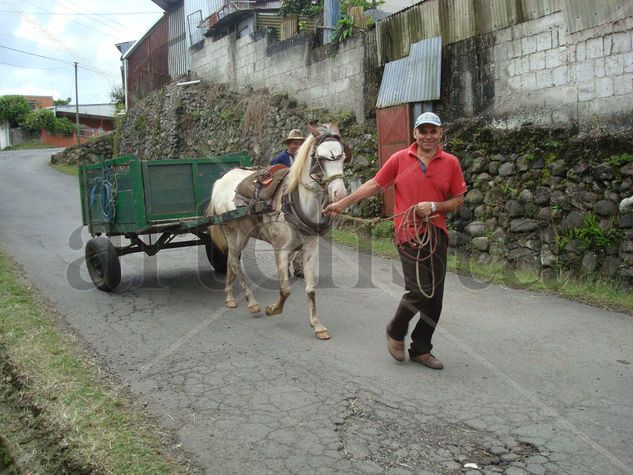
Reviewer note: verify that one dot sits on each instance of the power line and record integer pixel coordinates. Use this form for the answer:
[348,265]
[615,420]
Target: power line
[79,8]
[17,43]
[91,28]
[74,53]
[29,67]
[35,54]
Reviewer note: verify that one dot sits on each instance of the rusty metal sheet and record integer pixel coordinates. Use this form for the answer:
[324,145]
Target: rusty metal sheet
[148,67]
[416,78]
[394,134]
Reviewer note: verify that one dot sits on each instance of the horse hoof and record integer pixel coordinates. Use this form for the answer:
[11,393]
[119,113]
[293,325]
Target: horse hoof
[323,335]
[272,310]
[254,308]
[231,304]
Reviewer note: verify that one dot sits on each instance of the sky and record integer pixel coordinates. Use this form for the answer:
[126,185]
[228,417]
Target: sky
[41,39]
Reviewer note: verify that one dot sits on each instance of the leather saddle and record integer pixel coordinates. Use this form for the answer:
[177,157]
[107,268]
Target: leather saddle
[260,185]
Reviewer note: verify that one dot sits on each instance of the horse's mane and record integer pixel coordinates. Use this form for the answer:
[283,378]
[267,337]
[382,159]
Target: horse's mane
[302,159]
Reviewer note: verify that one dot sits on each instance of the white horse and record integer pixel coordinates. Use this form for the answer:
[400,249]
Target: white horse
[296,219]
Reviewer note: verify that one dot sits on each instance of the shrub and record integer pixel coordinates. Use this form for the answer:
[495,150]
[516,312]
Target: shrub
[592,237]
[45,119]
[13,109]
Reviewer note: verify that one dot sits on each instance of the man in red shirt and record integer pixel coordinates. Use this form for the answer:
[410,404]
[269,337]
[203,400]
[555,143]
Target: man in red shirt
[428,183]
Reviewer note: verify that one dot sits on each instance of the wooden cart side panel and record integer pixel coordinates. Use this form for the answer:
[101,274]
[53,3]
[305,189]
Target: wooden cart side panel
[183,189]
[85,216]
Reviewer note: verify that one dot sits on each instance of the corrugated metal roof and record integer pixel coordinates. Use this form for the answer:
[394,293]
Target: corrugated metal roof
[101,110]
[582,14]
[456,20]
[416,78]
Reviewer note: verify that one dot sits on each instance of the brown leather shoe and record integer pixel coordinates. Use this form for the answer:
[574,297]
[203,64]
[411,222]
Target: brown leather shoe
[428,360]
[395,348]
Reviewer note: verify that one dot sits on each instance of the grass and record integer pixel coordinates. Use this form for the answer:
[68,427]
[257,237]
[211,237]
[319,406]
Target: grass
[380,246]
[67,169]
[57,411]
[27,146]
[593,290]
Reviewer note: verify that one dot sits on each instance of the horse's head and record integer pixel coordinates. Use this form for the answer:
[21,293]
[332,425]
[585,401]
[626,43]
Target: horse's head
[328,157]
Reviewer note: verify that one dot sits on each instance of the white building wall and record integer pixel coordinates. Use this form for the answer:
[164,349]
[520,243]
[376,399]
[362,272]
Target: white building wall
[5,137]
[334,81]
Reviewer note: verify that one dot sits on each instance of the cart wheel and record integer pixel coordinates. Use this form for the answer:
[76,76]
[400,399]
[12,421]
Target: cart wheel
[216,258]
[103,264]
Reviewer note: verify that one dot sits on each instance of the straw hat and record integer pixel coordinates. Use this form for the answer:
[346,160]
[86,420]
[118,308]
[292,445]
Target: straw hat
[294,134]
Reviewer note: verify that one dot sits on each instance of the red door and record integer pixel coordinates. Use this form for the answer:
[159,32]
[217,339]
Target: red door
[394,133]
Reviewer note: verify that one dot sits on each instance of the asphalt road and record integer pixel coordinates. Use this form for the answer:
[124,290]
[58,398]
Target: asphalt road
[532,383]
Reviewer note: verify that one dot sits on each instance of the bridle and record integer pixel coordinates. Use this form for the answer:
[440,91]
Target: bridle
[291,203]
[317,172]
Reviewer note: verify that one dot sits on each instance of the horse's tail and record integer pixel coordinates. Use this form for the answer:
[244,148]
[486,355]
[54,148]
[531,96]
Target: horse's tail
[216,232]
[217,236]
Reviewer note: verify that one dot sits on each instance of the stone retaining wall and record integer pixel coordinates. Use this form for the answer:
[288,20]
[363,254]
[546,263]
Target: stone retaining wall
[546,198]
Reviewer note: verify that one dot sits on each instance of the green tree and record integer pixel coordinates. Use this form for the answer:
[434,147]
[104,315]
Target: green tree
[61,102]
[13,109]
[306,8]
[117,95]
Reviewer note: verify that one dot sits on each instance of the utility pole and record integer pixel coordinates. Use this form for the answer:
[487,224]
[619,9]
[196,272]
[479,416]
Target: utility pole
[77,105]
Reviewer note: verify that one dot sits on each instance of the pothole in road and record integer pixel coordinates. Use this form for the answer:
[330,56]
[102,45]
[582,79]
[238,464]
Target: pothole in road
[376,434]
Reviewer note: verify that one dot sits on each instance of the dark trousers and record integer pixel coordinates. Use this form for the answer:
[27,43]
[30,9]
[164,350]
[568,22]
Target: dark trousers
[414,301]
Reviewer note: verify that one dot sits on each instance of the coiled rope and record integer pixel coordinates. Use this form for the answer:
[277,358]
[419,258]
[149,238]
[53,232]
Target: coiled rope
[425,237]
[107,191]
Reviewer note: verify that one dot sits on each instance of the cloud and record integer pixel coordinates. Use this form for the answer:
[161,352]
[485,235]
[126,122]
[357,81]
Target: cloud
[31,89]
[88,39]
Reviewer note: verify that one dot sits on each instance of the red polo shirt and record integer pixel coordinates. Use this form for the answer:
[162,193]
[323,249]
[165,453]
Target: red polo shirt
[442,179]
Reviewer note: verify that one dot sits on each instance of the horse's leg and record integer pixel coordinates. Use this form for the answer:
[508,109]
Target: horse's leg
[281,261]
[309,270]
[242,238]
[232,267]
[237,241]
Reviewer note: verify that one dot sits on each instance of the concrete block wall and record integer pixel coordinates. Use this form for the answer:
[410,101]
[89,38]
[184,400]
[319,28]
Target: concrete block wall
[545,75]
[322,78]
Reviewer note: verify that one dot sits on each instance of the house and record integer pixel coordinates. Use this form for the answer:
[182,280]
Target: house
[14,136]
[39,102]
[94,119]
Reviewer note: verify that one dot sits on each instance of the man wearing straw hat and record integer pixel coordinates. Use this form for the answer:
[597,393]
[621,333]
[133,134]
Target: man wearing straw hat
[292,143]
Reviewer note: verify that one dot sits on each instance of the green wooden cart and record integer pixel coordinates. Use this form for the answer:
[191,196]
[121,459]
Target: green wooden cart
[132,198]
